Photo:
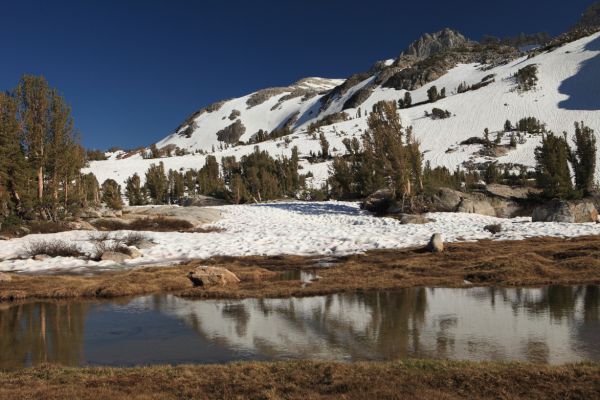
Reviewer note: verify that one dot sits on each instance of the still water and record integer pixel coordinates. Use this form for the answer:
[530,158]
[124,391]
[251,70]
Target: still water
[554,324]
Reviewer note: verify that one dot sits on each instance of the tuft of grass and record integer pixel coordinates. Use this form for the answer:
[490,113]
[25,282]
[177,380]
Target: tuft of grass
[53,248]
[134,239]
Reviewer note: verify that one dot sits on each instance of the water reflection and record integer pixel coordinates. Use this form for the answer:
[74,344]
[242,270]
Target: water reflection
[551,325]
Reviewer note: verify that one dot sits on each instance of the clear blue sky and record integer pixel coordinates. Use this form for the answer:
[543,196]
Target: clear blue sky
[133,70]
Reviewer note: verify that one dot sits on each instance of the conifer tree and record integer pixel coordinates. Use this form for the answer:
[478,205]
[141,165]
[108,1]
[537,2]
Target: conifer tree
[156,183]
[324,146]
[134,191]
[111,194]
[552,167]
[583,158]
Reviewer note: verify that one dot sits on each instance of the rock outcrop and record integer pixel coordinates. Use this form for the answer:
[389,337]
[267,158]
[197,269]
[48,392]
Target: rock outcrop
[580,211]
[434,43]
[204,276]
[380,201]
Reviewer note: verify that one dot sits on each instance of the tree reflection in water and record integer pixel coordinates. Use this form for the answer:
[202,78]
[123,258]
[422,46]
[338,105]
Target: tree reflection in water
[552,324]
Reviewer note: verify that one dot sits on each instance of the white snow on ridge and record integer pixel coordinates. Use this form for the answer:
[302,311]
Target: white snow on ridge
[303,228]
[567,91]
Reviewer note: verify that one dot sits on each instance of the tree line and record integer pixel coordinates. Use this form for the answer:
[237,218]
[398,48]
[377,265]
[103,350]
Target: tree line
[40,154]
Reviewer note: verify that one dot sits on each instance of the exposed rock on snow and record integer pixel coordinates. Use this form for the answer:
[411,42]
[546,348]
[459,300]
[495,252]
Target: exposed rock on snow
[195,215]
[473,206]
[565,211]
[203,201]
[212,276]
[436,243]
[413,219]
[380,201]
[115,256]
[327,229]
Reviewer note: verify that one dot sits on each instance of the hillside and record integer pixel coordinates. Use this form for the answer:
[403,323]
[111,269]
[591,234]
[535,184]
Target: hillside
[566,91]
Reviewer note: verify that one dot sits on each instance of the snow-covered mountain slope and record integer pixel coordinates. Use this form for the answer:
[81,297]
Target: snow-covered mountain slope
[568,90]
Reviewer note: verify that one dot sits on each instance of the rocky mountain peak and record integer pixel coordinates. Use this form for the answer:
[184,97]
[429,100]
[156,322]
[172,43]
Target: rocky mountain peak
[433,43]
[591,17]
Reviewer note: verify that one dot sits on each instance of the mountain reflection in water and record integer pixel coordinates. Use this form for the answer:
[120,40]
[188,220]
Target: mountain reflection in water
[553,324]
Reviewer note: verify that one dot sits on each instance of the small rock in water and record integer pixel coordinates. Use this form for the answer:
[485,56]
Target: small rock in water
[436,243]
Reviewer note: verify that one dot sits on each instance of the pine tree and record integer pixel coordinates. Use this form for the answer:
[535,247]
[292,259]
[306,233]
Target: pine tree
[583,158]
[432,94]
[552,168]
[111,194]
[13,165]
[134,191]
[156,184]
[324,146]
[508,126]
[33,93]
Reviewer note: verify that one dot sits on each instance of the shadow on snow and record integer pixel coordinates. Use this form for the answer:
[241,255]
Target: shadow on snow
[583,88]
[314,209]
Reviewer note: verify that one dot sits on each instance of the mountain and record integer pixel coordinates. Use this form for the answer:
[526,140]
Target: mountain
[481,92]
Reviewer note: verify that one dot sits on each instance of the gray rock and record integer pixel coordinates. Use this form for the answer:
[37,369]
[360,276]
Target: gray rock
[433,43]
[145,244]
[413,219]
[436,243]
[202,201]
[472,206]
[134,252]
[5,277]
[446,200]
[508,192]
[380,201]
[212,276]
[580,211]
[115,256]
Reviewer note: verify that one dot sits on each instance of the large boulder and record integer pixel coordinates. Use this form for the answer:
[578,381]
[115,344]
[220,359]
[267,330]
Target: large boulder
[473,206]
[212,276]
[380,201]
[5,278]
[446,200]
[436,243]
[565,211]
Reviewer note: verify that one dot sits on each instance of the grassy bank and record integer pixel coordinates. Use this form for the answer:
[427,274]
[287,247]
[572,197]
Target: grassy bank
[309,380]
[538,261]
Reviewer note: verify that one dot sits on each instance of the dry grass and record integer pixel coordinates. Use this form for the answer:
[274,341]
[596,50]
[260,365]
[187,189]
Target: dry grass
[532,262]
[53,248]
[410,379]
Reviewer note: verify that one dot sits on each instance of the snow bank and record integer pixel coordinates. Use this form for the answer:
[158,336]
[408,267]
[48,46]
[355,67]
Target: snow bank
[304,228]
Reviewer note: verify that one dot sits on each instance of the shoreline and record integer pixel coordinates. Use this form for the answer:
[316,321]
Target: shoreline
[530,262]
[405,379]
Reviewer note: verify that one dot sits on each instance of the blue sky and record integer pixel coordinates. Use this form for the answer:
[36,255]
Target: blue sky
[133,70]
